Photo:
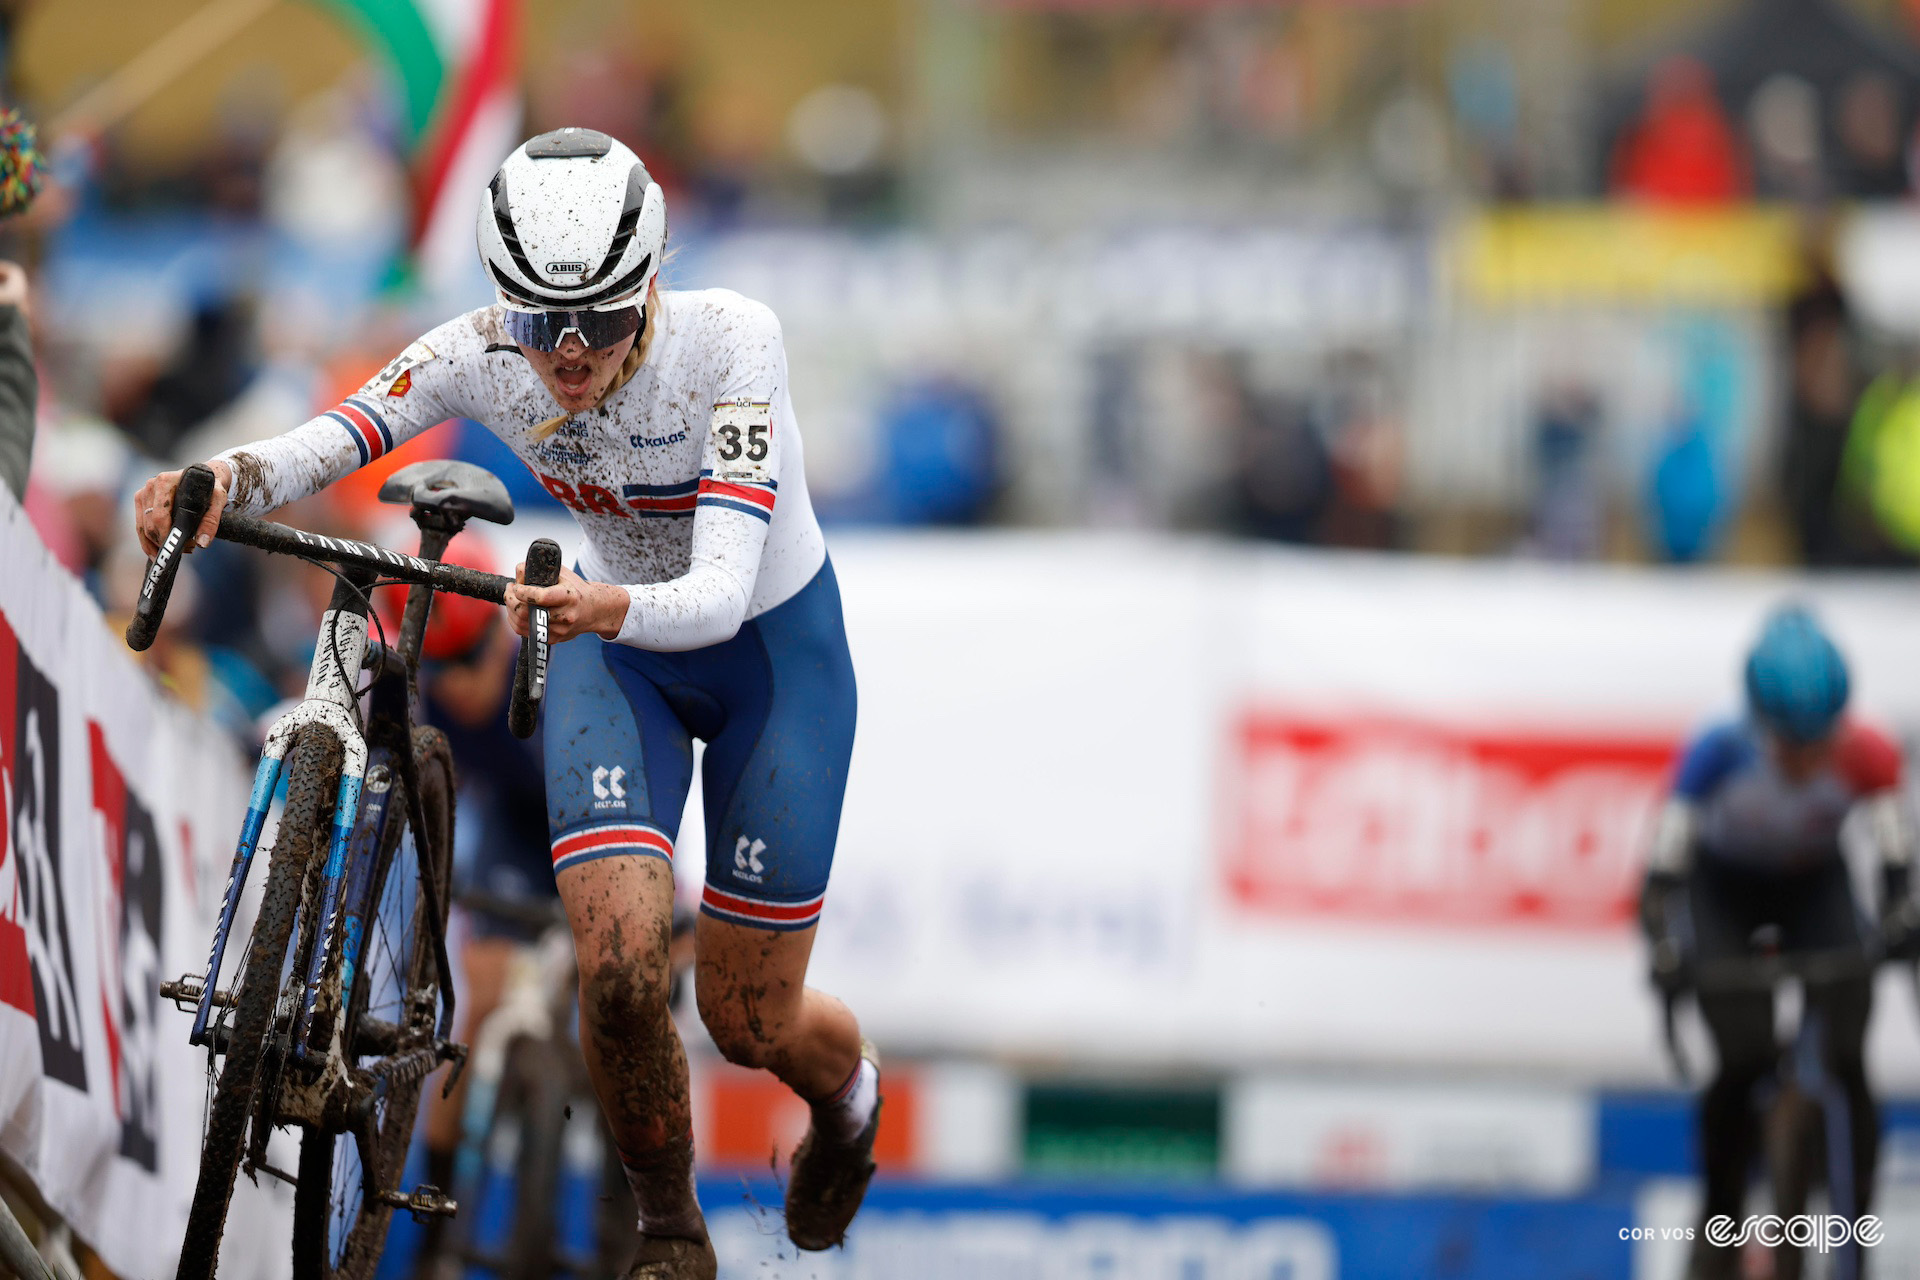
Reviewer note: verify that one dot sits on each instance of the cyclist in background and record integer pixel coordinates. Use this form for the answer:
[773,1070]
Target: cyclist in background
[704,605]
[1751,838]
[466,679]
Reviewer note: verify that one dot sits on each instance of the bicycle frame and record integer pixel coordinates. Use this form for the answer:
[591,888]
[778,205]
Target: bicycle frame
[331,704]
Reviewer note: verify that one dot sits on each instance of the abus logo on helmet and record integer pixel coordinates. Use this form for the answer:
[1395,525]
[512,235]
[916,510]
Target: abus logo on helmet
[566,268]
[1820,1231]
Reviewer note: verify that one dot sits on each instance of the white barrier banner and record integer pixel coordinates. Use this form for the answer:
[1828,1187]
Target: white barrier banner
[120,808]
[1200,803]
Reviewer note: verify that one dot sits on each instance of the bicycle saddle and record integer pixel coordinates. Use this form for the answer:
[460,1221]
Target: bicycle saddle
[445,486]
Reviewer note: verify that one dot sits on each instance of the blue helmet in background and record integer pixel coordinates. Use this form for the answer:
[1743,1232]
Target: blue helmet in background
[1796,679]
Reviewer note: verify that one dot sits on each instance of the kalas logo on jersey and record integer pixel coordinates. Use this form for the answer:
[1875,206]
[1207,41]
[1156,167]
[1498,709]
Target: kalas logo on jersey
[655,442]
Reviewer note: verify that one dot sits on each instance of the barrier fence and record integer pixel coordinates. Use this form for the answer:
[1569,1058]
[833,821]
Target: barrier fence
[1153,803]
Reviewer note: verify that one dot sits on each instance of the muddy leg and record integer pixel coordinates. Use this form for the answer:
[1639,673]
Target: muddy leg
[621,910]
[752,995]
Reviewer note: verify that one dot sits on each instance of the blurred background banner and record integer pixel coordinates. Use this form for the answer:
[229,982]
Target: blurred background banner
[1289,809]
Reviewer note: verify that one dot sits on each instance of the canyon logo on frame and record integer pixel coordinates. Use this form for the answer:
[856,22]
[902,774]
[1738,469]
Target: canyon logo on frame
[1397,819]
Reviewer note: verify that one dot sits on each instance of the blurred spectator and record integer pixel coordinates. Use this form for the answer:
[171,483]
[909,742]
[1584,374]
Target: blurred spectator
[1685,495]
[1821,392]
[1486,105]
[1784,119]
[1682,150]
[77,489]
[333,144]
[1869,124]
[1880,471]
[1364,453]
[210,370]
[941,455]
[1283,479]
[19,384]
[1569,506]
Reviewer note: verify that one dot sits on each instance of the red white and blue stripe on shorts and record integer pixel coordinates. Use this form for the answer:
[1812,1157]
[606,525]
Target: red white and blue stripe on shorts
[754,497]
[610,840]
[734,908]
[371,435]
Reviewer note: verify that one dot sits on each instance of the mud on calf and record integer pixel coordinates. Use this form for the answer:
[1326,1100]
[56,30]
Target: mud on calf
[747,1021]
[624,1003]
[624,1008]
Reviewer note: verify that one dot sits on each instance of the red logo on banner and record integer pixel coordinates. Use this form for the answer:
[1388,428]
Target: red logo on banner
[129,950]
[16,973]
[1394,819]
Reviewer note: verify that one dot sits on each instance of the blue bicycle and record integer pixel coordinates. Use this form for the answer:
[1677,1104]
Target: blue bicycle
[342,1002]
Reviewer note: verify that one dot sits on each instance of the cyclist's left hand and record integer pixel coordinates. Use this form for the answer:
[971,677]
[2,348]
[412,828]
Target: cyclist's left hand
[575,607]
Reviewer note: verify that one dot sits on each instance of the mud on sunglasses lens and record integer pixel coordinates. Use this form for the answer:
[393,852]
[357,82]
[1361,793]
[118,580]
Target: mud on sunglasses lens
[544,330]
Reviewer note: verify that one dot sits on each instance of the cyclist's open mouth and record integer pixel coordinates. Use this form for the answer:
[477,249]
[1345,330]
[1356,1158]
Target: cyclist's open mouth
[573,378]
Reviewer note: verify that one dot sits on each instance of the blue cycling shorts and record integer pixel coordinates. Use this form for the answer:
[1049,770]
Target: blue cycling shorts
[775,706]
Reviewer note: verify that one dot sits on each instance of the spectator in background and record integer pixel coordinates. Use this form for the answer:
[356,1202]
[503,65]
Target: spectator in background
[1822,390]
[1363,453]
[210,370]
[1879,493]
[942,464]
[19,384]
[1869,124]
[1682,150]
[1569,506]
[1283,475]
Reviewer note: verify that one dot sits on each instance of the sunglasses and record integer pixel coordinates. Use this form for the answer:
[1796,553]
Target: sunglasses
[545,330]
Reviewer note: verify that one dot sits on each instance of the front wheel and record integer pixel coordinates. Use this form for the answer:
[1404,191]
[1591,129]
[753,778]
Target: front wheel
[337,1233]
[314,774]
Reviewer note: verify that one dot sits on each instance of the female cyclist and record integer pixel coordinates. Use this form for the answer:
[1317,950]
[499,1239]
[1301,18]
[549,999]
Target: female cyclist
[704,606]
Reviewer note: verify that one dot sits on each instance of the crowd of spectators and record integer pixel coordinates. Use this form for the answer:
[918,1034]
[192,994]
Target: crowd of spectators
[1321,456]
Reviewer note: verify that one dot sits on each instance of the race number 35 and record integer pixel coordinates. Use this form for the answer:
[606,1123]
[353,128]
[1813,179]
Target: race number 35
[756,443]
[743,434]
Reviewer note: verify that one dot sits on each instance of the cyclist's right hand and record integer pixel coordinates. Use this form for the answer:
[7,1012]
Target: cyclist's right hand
[153,508]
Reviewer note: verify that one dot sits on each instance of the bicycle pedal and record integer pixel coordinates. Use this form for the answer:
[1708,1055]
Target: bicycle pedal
[187,990]
[427,1201]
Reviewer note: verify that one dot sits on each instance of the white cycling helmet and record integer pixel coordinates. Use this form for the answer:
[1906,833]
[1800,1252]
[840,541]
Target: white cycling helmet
[572,221]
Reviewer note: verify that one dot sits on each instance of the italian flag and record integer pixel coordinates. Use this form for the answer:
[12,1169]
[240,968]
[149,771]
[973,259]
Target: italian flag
[456,63]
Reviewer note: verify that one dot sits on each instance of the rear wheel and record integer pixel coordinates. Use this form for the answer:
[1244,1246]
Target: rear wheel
[337,1234]
[314,779]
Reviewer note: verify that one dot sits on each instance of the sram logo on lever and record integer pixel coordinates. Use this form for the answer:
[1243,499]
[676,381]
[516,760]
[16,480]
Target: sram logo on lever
[161,560]
[538,684]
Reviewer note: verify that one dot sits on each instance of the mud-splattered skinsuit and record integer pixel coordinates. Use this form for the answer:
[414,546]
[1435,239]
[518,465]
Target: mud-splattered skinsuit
[689,487]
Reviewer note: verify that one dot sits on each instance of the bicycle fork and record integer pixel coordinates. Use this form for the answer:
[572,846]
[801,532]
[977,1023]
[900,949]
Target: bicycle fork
[331,704]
